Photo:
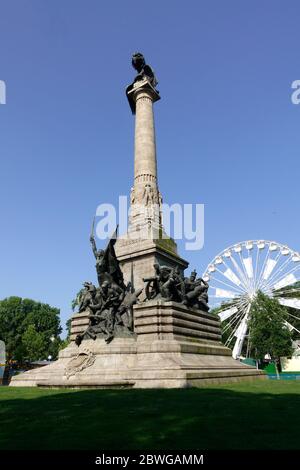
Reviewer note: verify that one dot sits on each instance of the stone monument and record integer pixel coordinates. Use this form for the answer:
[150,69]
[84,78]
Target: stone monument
[145,325]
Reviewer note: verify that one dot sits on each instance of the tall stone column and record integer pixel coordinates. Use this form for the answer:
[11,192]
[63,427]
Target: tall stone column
[145,197]
[145,165]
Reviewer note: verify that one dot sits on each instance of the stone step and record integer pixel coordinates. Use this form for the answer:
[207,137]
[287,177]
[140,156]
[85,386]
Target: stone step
[86,384]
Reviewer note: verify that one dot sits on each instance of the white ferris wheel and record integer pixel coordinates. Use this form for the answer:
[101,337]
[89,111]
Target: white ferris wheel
[239,272]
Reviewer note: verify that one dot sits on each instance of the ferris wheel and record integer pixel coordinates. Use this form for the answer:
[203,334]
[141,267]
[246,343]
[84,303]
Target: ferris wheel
[239,272]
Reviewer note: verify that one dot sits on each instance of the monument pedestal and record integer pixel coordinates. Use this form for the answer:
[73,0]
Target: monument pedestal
[174,347]
[139,256]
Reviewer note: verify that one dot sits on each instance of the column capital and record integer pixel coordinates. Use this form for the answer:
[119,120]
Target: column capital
[139,89]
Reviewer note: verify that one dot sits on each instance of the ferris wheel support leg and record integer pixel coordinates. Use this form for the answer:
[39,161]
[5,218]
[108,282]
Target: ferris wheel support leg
[238,347]
[241,334]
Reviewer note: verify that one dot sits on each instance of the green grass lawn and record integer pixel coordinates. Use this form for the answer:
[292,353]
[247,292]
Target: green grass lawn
[261,415]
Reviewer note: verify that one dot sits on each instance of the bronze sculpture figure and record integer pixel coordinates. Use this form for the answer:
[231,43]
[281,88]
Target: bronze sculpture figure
[170,285]
[110,304]
[145,74]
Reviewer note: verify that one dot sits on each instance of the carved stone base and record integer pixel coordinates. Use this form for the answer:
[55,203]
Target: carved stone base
[175,347]
[139,256]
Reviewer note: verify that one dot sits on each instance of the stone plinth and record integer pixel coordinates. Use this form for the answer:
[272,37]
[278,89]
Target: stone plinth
[139,256]
[171,321]
[174,347]
[79,323]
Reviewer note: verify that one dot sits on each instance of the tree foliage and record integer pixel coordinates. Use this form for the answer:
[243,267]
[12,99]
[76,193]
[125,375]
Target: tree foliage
[27,327]
[292,292]
[33,344]
[268,333]
[76,301]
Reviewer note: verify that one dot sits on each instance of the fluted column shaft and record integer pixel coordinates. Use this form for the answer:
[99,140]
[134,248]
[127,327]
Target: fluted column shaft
[145,197]
[145,166]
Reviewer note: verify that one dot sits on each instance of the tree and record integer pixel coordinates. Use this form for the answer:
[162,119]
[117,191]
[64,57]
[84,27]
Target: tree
[68,326]
[19,316]
[12,315]
[65,342]
[76,301]
[293,292]
[33,343]
[268,332]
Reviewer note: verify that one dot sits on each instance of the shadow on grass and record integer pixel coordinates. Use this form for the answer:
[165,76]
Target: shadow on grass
[248,416]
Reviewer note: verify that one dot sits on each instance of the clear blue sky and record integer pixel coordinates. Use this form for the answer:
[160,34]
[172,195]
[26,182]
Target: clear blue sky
[227,133]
